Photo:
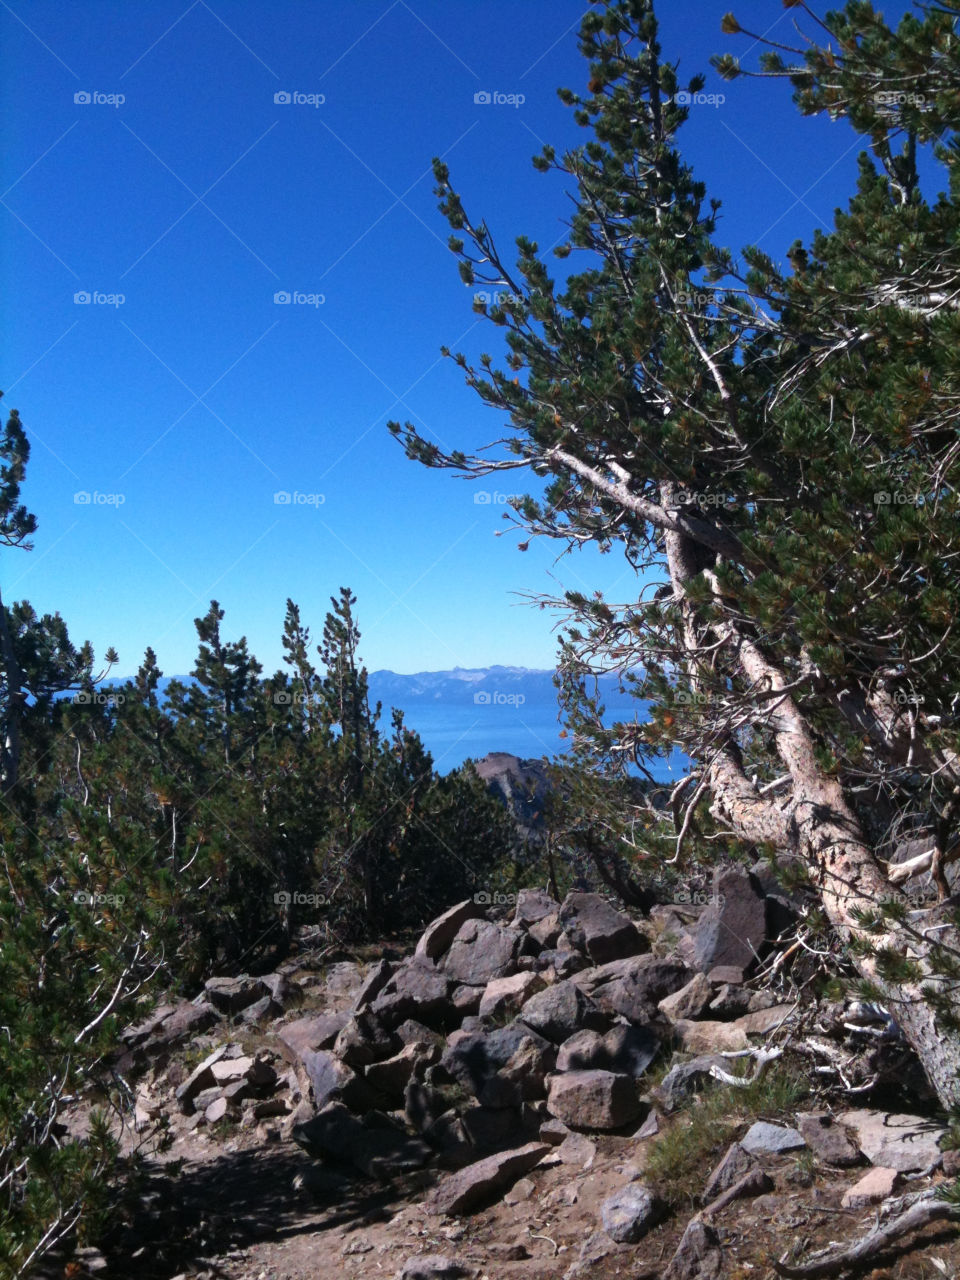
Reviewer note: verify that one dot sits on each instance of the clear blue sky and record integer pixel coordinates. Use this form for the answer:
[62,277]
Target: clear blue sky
[198,398]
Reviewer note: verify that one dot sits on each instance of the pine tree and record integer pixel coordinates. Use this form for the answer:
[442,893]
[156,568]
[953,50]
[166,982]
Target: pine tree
[775,453]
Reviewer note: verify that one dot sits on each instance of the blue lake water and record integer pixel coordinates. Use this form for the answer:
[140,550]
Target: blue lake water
[453,733]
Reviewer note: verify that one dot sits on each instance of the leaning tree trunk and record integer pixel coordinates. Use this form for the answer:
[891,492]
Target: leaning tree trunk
[814,819]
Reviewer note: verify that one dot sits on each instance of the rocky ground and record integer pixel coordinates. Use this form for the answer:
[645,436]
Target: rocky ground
[548,1090]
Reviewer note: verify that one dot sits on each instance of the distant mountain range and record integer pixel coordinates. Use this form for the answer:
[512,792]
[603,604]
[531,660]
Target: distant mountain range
[473,686]
[460,687]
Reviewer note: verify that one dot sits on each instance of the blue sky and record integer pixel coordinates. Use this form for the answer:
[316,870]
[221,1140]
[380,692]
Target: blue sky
[184,409]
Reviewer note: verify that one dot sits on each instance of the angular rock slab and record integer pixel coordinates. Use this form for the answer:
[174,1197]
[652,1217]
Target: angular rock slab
[736,1164]
[634,987]
[828,1141]
[593,1099]
[473,1186]
[559,1011]
[771,1139]
[417,989]
[311,1033]
[624,1050]
[698,1255]
[875,1185]
[597,928]
[732,930]
[533,905]
[507,995]
[690,1001]
[437,936]
[687,1078]
[902,1142]
[482,951]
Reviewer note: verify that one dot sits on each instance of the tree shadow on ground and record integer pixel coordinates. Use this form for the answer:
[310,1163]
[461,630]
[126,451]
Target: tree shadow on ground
[265,1194]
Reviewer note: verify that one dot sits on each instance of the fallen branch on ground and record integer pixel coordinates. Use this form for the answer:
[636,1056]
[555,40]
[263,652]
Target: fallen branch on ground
[928,1209]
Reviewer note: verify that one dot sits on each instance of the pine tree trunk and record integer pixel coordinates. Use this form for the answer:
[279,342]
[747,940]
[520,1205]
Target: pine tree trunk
[814,820]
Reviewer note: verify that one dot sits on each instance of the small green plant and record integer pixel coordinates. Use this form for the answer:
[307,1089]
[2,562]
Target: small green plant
[679,1158]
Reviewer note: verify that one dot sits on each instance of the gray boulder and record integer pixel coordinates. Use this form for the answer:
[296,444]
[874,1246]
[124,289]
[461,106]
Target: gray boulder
[623,1049]
[771,1139]
[598,929]
[482,951]
[533,905]
[629,1213]
[698,1255]
[732,930]
[634,987]
[592,1099]
[558,1011]
[416,989]
[364,1039]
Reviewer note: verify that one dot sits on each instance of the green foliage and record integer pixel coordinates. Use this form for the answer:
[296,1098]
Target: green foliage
[679,1158]
[772,445]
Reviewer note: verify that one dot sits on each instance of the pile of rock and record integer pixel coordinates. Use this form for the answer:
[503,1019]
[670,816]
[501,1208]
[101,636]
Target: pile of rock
[502,1042]
[527,1028]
